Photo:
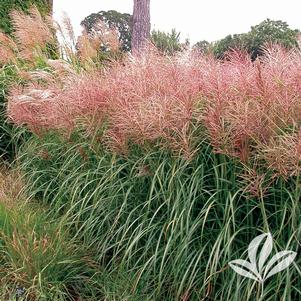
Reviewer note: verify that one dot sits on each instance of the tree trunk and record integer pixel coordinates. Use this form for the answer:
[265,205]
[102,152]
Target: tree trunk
[141,25]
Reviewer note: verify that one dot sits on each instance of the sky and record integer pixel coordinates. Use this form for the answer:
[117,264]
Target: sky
[196,19]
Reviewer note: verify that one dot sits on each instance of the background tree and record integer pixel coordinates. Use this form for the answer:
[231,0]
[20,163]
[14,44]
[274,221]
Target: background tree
[268,31]
[113,19]
[141,24]
[230,42]
[202,46]
[168,43]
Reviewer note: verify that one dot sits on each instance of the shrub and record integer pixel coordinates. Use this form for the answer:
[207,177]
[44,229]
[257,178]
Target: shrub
[168,43]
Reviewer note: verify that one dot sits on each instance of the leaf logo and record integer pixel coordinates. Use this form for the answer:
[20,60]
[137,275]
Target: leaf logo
[257,268]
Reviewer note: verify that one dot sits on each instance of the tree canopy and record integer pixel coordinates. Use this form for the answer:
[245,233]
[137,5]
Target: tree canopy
[268,31]
[113,19]
[202,46]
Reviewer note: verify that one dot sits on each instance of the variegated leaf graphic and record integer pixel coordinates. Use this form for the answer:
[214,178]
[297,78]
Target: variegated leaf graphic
[245,268]
[265,251]
[254,245]
[284,259]
[261,271]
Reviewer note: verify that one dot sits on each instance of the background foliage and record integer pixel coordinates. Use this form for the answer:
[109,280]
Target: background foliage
[10,136]
[259,36]
[167,43]
[122,22]
[6,6]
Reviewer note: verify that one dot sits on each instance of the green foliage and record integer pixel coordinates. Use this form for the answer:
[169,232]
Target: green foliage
[270,31]
[6,6]
[202,46]
[259,36]
[11,137]
[112,18]
[227,44]
[172,225]
[168,43]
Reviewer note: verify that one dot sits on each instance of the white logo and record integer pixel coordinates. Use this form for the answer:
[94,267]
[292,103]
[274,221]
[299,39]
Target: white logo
[257,268]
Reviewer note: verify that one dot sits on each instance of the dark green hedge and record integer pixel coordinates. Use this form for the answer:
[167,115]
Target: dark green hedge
[6,6]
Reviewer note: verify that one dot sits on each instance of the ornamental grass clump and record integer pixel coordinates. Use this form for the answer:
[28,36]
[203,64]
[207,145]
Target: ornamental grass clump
[142,99]
[161,169]
[32,32]
[240,106]
[253,103]
[7,48]
[153,100]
